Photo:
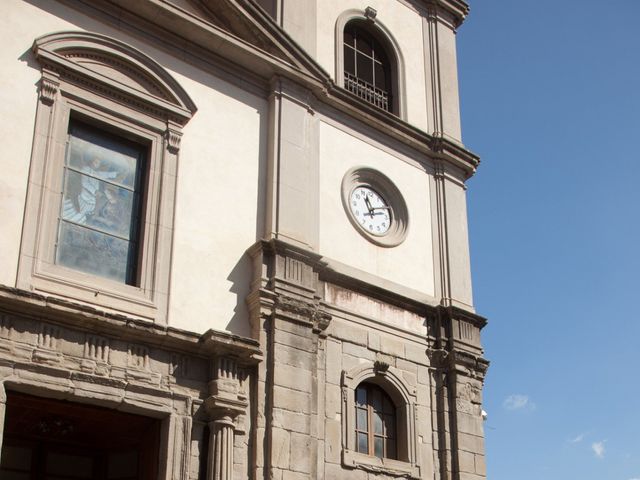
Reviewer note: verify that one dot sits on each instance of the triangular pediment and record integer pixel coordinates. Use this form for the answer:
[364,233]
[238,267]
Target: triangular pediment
[247,21]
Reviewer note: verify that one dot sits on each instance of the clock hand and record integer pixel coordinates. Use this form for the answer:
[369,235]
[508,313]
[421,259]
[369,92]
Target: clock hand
[368,204]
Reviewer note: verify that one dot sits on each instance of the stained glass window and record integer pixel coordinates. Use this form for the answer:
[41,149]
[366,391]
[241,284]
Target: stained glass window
[375,422]
[98,228]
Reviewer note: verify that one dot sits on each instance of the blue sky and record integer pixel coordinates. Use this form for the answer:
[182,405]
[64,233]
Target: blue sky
[550,94]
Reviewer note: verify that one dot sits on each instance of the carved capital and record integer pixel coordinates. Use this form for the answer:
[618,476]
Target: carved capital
[321,320]
[226,409]
[173,138]
[468,364]
[437,357]
[48,90]
[226,400]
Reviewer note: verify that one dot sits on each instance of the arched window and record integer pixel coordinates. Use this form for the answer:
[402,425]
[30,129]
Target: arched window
[368,68]
[378,421]
[375,422]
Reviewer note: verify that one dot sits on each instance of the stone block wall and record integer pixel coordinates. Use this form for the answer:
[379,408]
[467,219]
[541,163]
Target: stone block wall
[319,347]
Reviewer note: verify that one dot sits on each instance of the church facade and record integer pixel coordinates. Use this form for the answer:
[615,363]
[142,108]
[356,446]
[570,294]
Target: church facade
[234,242]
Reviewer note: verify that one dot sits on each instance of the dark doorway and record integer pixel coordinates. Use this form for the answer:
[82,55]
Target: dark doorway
[47,439]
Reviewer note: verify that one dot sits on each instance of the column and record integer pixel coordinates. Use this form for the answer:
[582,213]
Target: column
[225,403]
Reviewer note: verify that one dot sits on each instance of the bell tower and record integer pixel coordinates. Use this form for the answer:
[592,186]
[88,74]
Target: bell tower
[363,286]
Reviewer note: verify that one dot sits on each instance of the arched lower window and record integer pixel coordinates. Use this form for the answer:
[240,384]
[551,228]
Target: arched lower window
[367,66]
[379,422]
[375,422]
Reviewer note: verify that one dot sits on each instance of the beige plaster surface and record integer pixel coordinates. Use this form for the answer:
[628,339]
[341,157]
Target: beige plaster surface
[218,191]
[216,213]
[458,236]
[18,97]
[406,26]
[410,263]
[449,83]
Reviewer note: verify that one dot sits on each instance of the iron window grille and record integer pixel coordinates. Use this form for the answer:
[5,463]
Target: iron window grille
[367,69]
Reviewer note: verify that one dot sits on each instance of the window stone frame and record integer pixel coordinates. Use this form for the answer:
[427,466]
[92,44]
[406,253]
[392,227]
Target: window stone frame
[393,51]
[404,397]
[107,83]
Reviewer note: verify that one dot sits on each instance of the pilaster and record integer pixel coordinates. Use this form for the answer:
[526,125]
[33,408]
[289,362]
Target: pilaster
[226,402]
[441,73]
[458,371]
[292,185]
[290,320]
[451,237]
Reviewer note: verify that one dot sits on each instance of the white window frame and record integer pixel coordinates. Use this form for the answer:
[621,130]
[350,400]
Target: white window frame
[104,83]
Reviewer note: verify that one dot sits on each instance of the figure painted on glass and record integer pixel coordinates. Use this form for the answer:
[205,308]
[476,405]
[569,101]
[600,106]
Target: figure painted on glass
[97,230]
[83,197]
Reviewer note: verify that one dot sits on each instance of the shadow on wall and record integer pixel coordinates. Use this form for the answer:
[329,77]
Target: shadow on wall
[240,278]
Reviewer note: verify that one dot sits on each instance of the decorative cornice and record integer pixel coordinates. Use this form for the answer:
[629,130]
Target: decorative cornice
[98,322]
[224,48]
[67,53]
[458,9]
[467,363]
[312,313]
[461,314]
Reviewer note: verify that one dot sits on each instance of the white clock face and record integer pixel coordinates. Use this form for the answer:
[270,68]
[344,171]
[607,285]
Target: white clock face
[370,210]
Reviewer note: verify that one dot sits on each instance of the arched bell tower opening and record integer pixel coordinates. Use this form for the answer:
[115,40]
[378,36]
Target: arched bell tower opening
[369,62]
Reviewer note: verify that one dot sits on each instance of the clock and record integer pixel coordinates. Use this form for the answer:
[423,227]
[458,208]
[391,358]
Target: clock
[371,210]
[375,206]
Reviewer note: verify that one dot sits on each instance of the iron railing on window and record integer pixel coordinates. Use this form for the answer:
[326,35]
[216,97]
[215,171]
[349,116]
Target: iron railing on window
[366,91]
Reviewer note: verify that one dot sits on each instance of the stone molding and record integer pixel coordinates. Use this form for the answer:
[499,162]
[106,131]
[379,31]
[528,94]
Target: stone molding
[404,397]
[93,78]
[73,54]
[16,303]
[217,45]
[53,348]
[370,16]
